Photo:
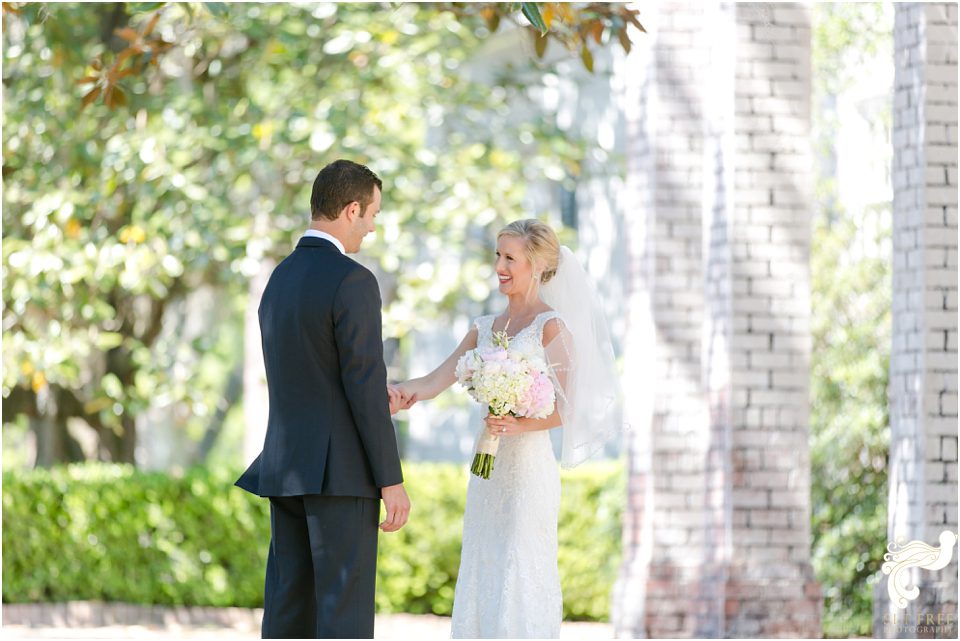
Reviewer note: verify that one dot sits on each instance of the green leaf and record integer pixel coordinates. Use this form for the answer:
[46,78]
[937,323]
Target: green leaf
[144,7]
[219,9]
[532,13]
[109,340]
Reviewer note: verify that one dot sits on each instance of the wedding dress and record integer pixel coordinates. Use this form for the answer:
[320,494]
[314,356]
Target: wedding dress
[509,585]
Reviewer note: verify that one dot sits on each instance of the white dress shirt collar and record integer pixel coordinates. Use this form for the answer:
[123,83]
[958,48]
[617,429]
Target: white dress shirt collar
[316,233]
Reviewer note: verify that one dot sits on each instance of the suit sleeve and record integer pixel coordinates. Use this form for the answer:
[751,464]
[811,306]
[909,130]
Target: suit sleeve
[357,328]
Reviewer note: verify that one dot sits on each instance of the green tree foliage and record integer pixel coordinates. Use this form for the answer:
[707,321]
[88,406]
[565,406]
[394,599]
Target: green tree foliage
[851,275]
[109,532]
[119,212]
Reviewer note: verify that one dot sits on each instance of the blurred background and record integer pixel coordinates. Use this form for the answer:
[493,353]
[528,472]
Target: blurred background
[157,164]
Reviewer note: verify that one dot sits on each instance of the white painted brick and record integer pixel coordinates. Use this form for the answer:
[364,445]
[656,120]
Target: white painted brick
[776,105]
[793,88]
[783,68]
[753,197]
[766,518]
[791,380]
[754,87]
[770,287]
[753,123]
[788,498]
[950,301]
[948,451]
[937,94]
[938,53]
[936,113]
[935,12]
[774,34]
[772,361]
[794,125]
[937,33]
[790,537]
[750,498]
[948,404]
[941,278]
[935,175]
[790,16]
[941,361]
[940,493]
[791,162]
[941,74]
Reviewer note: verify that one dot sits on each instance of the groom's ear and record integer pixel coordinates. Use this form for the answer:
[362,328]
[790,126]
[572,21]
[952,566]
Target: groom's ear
[350,211]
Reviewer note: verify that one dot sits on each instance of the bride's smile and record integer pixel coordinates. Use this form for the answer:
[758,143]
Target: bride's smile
[514,271]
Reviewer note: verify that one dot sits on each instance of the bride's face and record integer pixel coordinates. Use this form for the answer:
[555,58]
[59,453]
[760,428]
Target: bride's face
[513,267]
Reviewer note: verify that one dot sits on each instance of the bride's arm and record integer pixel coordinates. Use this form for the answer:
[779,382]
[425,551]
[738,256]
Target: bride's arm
[429,386]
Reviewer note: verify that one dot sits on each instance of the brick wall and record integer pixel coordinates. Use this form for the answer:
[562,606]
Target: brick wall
[923,364]
[717,532]
[664,544]
[770,589]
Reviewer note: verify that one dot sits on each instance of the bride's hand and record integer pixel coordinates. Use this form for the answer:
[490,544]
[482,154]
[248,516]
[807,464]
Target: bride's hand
[406,395]
[503,425]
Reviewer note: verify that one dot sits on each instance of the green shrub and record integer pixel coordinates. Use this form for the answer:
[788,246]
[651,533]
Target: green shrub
[112,533]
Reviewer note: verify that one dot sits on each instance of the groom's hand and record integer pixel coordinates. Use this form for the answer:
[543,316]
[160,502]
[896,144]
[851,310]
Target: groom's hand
[396,399]
[397,503]
[399,399]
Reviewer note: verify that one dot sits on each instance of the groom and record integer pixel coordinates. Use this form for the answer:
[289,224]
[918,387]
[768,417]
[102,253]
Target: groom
[330,452]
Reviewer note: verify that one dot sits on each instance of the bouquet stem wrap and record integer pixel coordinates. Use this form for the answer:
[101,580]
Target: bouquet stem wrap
[486,452]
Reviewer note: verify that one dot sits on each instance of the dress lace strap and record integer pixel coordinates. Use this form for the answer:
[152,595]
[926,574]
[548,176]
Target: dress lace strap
[542,321]
[484,325]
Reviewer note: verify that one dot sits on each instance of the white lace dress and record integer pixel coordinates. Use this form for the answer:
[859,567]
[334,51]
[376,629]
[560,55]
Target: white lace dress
[509,585]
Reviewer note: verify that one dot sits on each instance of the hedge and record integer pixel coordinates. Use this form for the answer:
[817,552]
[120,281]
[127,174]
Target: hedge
[112,533]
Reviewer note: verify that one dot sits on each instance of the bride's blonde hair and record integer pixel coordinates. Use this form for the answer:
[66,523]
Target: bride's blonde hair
[540,244]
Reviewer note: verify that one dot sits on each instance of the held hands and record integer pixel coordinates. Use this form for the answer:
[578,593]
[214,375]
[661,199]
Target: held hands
[401,398]
[397,503]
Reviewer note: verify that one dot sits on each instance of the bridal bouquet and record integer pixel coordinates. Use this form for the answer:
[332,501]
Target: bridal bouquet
[507,381]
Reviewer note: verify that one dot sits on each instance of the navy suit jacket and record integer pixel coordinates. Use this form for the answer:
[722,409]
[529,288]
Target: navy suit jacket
[329,430]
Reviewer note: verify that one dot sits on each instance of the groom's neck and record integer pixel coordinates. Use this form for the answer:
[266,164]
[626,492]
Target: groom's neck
[332,227]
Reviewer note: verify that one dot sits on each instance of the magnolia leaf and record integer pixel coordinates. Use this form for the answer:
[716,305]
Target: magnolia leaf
[548,13]
[152,24]
[596,30]
[587,58]
[491,17]
[539,44]
[91,95]
[218,9]
[624,40]
[128,34]
[532,13]
[632,17]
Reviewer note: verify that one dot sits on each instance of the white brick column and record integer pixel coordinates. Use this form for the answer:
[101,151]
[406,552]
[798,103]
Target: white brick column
[770,588]
[664,544]
[923,363]
[717,535]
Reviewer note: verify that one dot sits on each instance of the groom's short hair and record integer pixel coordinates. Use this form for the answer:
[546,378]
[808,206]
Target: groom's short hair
[339,184]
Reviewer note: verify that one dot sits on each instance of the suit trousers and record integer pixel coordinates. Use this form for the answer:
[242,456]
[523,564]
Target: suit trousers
[321,568]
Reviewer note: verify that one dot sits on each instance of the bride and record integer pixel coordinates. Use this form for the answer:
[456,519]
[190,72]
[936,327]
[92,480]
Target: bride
[508,585]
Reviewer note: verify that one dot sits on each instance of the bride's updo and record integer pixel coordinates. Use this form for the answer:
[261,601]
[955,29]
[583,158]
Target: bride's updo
[540,244]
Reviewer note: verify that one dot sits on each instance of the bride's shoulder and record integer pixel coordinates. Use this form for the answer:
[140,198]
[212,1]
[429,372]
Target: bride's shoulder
[481,322]
[553,325]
